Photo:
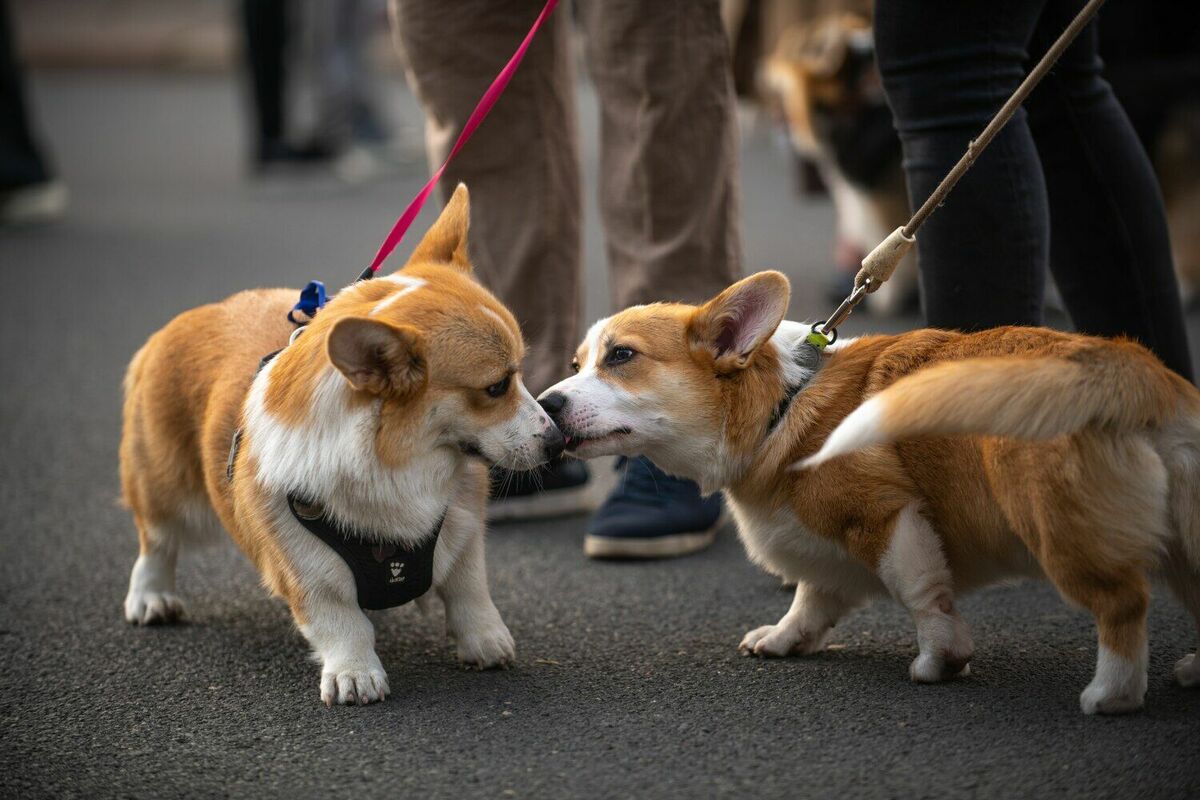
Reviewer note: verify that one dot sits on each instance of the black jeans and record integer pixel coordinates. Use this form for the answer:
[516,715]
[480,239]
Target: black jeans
[21,162]
[1066,184]
[265,24]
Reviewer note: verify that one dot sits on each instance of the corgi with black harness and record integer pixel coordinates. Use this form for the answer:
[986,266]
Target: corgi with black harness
[351,466]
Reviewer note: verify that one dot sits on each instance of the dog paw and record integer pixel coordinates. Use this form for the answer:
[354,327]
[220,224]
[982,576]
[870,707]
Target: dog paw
[1187,671]
[777,641]
[351,683]
[487,647]
[930,668]
[1102,698]
[146,607]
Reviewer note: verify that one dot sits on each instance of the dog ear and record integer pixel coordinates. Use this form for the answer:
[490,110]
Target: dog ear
[735,323]
[446,241]
[377,357]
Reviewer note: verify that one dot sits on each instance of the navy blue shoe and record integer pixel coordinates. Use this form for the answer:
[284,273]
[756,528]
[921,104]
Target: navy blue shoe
[652,515]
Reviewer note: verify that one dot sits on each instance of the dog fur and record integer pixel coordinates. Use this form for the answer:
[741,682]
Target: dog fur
[372,410]
[934,462]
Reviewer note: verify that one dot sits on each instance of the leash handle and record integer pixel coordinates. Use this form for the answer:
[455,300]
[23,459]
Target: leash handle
[1002,117]
[474,121]
[881,262]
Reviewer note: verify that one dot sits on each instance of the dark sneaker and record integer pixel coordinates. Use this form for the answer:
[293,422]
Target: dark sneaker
[555,490]
[652,515]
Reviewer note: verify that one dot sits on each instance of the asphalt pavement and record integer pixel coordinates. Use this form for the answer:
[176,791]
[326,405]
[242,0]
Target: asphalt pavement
[628,681]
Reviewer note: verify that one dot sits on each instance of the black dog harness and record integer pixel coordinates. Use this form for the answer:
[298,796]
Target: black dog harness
[386,575]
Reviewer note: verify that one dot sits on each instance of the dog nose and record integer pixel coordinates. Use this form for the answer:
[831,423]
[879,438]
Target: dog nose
[554,443]
[553,402]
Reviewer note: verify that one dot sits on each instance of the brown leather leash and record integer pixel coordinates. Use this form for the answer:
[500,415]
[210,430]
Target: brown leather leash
[881,262]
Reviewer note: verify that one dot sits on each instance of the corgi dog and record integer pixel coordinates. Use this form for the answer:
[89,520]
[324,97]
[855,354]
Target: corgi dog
[371,426]
[930,463]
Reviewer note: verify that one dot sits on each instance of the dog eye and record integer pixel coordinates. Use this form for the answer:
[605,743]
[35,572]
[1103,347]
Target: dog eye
[575,365]
[498,388]
[619,355]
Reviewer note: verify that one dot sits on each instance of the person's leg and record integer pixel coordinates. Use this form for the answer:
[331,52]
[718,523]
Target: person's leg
[1109,247]
[523,172]
[668,147]
[947,66]
[21,162]
[264,24]
[29,192]
[522,164]
[325,32]
[669,201]
[366,119]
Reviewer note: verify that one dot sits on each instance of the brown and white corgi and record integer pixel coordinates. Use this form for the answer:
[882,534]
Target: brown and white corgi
[375,414]
[946,461]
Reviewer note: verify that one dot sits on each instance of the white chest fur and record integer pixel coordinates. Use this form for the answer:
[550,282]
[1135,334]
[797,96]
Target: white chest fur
[332,458]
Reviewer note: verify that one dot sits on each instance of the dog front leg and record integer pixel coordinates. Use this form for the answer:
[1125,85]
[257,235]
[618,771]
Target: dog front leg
[803,629]
[914,570]
[344,640]
[472,621]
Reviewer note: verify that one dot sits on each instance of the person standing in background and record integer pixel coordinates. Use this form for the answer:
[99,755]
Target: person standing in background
[1065,185]
[668,200]
[29,192]
[268,30]
[338,34]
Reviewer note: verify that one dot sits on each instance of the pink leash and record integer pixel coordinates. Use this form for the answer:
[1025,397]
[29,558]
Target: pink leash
[474,121]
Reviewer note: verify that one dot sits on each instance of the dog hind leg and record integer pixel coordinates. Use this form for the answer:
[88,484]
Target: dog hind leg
[914,570]
[1182,458]
[151,598]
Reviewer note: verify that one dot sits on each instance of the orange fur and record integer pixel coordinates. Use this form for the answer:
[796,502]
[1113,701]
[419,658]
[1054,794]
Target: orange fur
[425,342]
[1027,451]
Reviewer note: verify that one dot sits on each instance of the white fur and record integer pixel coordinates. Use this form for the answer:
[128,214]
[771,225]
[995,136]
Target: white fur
[828,581]
[151,597]
[591,347]
[787,337]
[862,428]
[332,458]
[803,629]
[915,572]
[408,284]
[777,541]
[1119,684]
[342,636]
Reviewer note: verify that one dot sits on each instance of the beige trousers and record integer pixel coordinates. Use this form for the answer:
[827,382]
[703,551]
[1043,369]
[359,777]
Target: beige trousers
[668,152]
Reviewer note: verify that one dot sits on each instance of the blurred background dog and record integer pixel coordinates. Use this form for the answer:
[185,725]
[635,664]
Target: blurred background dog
[810,65]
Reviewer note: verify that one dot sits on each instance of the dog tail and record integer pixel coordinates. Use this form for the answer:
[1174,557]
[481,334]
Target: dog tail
[1102,384]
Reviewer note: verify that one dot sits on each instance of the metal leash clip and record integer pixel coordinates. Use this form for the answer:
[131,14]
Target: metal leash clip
[824,333]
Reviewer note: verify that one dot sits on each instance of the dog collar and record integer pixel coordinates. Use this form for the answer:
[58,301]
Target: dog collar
[807,356]
[386,575]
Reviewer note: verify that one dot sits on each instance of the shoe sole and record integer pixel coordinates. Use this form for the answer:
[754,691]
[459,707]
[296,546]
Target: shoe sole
[677,544]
